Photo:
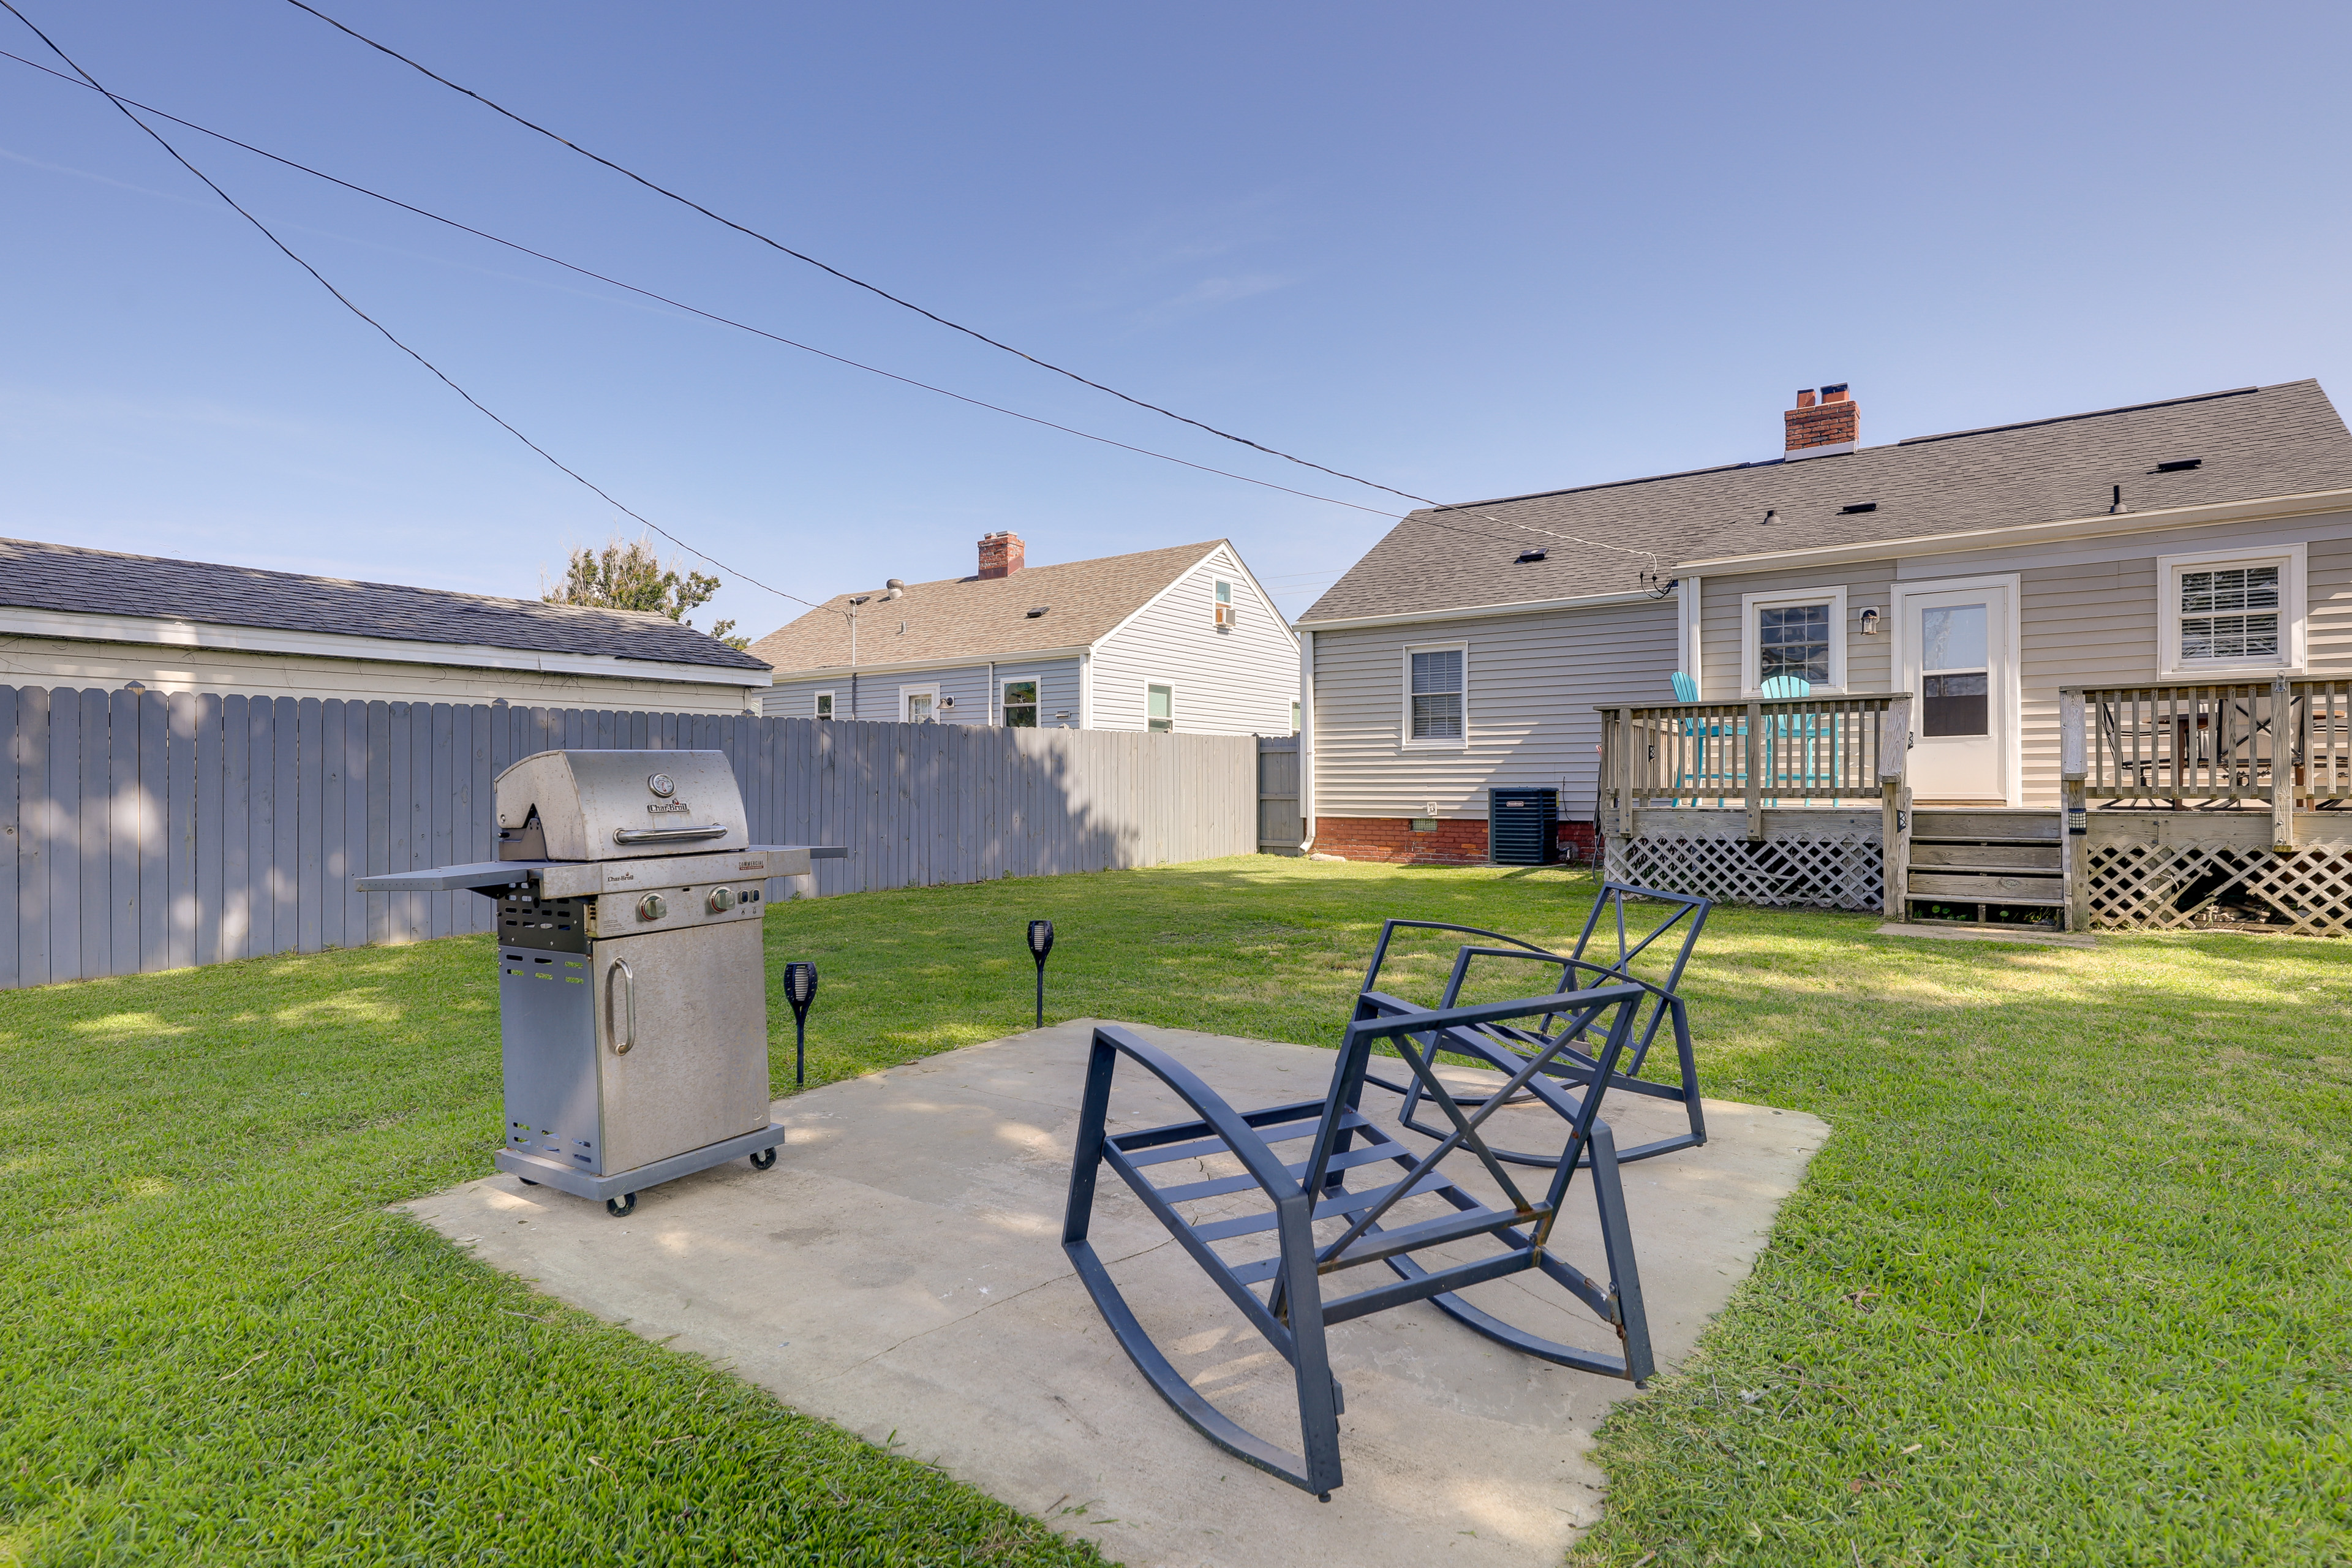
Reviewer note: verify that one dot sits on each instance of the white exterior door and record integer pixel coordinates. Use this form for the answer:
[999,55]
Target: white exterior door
[1959,664]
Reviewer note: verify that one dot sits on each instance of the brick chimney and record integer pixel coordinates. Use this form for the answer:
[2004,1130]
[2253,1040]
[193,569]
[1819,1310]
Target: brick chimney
[1000,554]
[1823,429]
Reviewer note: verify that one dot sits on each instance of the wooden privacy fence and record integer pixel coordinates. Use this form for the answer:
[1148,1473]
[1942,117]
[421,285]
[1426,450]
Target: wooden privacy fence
[140,831]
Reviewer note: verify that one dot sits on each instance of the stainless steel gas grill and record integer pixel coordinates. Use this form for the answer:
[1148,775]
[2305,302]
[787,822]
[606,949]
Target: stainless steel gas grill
[633,996]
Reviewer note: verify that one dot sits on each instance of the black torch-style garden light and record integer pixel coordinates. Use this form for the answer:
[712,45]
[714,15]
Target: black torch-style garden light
[1041,942]
[800,990]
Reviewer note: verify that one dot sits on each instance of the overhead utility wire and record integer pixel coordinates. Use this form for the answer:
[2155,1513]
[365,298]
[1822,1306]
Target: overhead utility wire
[835,271]
[379,326]
[726,320]
[682,305]
[662,190]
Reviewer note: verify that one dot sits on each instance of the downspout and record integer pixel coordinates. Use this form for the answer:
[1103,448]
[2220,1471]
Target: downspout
[1307,741]
[1693,653]
[993,716]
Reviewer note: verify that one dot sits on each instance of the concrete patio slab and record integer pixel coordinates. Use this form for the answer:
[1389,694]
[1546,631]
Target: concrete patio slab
[901,1271]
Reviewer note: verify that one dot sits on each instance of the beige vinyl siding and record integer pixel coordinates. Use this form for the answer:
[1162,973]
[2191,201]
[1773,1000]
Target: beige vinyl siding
[1869,584]
[1239,680]
[2330,646]
[1532,682]
[70,662]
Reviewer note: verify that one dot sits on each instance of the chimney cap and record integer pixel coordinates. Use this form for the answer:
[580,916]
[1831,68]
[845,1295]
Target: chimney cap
[1804,397]
[1835,393]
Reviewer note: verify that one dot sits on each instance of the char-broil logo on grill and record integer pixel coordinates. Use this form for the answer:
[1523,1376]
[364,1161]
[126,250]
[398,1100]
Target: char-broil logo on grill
[659,806]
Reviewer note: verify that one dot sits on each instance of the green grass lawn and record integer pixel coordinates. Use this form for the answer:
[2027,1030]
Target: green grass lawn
[2072,1281]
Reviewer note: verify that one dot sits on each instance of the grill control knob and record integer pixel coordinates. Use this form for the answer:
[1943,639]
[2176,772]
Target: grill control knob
[652,907]
[722,899]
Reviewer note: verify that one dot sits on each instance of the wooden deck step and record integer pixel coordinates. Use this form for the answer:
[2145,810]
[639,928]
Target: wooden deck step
[1929,854]
[1963,888]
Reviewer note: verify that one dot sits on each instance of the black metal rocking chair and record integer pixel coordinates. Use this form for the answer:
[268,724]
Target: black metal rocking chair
[1295,1311]
[1663,1003]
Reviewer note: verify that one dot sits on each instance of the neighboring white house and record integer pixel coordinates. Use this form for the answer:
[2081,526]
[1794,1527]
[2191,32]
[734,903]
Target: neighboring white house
[76,617]
[2204,538]
[1178,640]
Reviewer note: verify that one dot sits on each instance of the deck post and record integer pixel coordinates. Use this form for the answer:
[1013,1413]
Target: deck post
[2074,841]
[1894,822]
[1613,824]
[2282,766]
[1753,771]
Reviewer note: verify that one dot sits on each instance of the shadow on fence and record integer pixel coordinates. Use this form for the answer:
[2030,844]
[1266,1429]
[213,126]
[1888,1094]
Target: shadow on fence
[141,831]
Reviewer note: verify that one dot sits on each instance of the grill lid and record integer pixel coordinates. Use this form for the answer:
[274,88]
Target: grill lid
[610,806]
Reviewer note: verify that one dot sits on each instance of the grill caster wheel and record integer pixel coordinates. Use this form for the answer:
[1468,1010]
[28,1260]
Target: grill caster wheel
[764,1160]
[619,1207]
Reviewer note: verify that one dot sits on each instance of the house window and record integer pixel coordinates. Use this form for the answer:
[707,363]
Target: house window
[1159,707]
[918,704]
[1793,640]
[824,704]
[1798,635]
[1021,704]
[1225,604]
[2231,614]
[2224,612]
[1433,699]
[1294,717]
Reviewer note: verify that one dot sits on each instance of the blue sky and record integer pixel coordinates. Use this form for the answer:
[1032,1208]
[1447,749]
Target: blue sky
[1466,251]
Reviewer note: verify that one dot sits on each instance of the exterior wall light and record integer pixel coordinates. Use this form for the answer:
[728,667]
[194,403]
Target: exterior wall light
[1870,623]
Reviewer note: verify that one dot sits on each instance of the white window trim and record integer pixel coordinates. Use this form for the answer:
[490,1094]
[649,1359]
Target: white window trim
[1751,655]
[930,690]
[2293,564]
[2009,696]
[1404,716]
[816,699]
[1170,688]
[1224,613]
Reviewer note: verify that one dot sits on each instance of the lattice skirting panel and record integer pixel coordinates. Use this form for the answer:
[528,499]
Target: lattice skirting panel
[2138,885]
[1826,870]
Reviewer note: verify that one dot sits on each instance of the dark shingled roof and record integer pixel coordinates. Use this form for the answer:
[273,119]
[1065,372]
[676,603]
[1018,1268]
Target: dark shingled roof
[102,583]
[2254,442]
[983,617]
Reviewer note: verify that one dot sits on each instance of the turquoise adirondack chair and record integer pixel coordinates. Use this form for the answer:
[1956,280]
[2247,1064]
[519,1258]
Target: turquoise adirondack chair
[1799,750]
[1695,783]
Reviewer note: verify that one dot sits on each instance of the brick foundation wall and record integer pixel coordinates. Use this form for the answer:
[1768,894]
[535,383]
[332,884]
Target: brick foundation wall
[1455,842]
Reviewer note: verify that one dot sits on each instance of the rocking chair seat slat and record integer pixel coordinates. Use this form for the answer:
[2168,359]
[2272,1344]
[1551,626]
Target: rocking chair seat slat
[1333,1208]
[1191,1191]
[1307,1114]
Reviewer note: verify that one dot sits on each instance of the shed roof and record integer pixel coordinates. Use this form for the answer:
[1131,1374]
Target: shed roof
[68,578]
[983,617]
[2251,443]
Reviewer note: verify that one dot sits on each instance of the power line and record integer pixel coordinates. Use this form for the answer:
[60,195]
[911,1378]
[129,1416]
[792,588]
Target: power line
[858,282]
[125,107]
[680,304]
[746,230]
[345,301]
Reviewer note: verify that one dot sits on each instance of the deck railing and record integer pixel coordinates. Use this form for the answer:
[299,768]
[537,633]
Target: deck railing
[1790,752]
[2281,742]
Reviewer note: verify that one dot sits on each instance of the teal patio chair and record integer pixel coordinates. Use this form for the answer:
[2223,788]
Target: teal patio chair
[1798,738]
[1693,784]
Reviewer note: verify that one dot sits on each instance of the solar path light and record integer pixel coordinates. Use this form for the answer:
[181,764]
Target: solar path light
[800,990]
[1041,942]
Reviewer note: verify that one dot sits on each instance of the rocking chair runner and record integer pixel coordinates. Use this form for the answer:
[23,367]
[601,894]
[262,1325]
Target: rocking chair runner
[1661,1004]
[1295,1311]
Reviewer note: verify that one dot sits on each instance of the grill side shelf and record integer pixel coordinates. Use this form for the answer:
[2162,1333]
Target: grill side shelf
[481,875]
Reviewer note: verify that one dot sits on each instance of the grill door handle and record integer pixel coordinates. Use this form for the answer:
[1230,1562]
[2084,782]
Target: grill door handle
[666,835]
[621,1017]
